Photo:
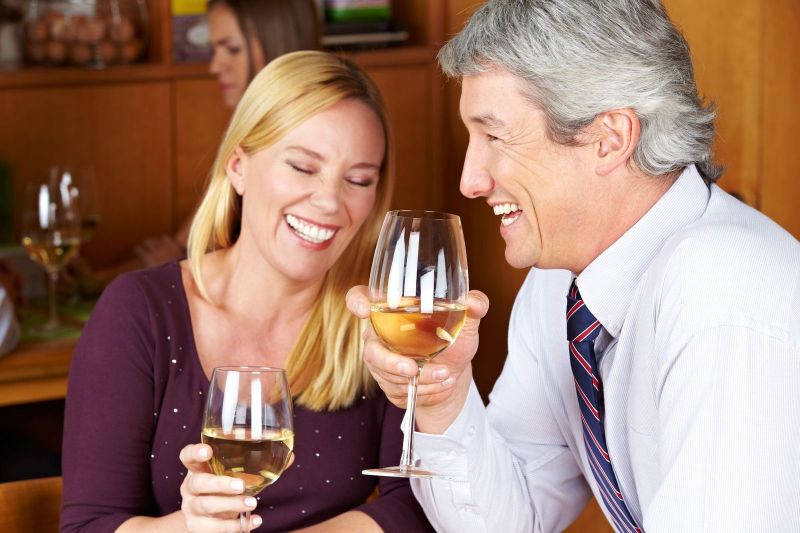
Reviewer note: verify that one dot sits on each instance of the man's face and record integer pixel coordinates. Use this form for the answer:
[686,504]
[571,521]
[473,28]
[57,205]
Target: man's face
[543,192]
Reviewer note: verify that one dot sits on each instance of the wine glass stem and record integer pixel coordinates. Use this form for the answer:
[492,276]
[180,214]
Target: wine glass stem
[406,461]
[53,287]
[244,521]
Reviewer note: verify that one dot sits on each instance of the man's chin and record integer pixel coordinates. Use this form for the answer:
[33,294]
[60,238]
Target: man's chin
[516,259]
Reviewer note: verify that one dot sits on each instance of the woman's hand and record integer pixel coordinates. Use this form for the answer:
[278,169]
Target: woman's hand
[443,383]
[210,502]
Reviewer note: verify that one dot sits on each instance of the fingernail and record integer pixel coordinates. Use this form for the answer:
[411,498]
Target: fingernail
[448,382]
[440,373]
[237,485]
[250,501]
[361,308]
[256,520]
[202,453]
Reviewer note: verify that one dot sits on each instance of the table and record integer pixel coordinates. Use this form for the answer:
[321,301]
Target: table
[36,371]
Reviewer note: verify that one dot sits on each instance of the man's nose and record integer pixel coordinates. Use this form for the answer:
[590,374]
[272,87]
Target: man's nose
[476,180]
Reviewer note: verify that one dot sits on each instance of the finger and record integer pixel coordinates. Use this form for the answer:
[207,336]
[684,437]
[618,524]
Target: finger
[216,505]
[380,358]
[195,457]
[434,373]
[357,299]
[204,483]
[291,461]
[477,304]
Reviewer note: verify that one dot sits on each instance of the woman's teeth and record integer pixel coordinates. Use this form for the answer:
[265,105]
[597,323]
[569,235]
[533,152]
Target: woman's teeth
[509,211]
[310,232]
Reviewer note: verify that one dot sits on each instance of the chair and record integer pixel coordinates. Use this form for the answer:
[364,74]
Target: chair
[30,505]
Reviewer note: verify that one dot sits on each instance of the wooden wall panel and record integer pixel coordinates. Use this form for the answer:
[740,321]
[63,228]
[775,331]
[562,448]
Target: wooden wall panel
[780,126]
[121,131]
[725,39]
[406,92]
[200,121]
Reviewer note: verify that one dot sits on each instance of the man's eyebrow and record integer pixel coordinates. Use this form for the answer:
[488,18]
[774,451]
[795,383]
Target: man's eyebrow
[488,120]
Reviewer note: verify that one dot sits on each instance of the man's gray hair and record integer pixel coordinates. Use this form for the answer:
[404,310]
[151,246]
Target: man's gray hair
[580,58]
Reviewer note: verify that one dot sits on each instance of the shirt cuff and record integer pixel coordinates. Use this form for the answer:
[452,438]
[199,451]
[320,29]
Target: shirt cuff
[451,452]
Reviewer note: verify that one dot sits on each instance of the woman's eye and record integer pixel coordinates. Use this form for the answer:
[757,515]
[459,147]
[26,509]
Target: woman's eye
[360,182]
[233,50]
[301,168]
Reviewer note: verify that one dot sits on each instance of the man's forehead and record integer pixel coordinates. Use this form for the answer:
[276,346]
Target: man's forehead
[486,97]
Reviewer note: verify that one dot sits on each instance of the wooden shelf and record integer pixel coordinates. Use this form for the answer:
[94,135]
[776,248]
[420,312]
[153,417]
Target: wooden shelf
[56,77]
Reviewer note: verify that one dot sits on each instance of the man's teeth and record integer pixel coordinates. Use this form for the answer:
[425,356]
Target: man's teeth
[309,232]
[504,209]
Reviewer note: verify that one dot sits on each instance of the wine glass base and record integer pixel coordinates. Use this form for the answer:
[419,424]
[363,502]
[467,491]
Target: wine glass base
[407,472]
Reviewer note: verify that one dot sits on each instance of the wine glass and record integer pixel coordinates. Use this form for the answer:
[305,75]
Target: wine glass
[418,289]
[51,232]
[249,425]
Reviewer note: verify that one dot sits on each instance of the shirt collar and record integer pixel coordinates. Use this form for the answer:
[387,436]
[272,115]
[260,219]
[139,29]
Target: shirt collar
[607,285]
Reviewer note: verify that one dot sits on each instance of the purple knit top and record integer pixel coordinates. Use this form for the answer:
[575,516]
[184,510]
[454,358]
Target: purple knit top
[136,396]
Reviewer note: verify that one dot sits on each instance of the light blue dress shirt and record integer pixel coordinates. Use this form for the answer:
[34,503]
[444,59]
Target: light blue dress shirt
[700,361]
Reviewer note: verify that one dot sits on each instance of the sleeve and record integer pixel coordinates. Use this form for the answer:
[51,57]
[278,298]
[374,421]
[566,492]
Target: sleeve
[515,469]
[9,327]
[729,433]
[395,510]
[109,419]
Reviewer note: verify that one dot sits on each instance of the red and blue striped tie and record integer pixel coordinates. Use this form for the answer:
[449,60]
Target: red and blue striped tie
[582,329]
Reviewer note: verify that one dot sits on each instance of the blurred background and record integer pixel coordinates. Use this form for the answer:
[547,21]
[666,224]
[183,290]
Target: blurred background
[119,92]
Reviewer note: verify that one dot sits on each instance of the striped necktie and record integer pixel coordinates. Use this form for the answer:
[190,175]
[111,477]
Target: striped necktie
[582,330]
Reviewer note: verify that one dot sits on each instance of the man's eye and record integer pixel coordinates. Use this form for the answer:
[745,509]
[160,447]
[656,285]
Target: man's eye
[491,138]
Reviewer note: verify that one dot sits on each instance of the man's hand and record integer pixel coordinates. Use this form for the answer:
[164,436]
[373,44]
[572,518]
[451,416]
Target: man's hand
[443,383]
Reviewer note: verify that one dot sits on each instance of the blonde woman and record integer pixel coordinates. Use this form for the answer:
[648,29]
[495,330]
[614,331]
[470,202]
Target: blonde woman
[287,225]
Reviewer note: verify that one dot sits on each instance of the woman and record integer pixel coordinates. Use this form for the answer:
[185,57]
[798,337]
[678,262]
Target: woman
[286,226]
[245,35]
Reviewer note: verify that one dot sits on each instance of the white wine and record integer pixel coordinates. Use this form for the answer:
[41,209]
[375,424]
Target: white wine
[256,461]
[406,330]
[51,253]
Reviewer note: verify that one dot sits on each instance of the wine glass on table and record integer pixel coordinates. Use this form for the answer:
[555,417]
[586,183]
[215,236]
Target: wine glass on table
[51,233]
[418,290]
[249,425]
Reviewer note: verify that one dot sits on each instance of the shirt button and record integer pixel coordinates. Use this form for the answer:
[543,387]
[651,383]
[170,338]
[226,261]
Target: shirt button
[471,431]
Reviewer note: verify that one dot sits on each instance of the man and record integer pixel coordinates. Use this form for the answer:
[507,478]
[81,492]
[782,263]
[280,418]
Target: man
[654,349]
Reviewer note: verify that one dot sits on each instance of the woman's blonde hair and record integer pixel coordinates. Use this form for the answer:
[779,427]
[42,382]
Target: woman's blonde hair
[324,367]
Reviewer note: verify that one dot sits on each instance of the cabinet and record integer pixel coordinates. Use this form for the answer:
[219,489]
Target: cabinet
[150,131]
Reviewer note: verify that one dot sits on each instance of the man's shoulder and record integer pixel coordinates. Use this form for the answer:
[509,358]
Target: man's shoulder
[732,237]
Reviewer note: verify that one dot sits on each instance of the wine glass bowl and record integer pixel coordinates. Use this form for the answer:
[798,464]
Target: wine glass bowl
[418,289]
[248,423]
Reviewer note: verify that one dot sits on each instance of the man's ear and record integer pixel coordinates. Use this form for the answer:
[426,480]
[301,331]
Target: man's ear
[618,136]
[236,167]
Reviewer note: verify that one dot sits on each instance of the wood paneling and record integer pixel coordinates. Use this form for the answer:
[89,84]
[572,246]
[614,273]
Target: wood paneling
[780,125]
[200,121]
[122,132]
[406,92]
[725,39]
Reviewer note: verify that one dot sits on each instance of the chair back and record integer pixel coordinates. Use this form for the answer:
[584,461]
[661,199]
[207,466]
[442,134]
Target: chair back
[30,505]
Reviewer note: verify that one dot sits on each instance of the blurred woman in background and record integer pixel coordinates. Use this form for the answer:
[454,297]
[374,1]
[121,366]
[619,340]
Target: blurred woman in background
[244,35]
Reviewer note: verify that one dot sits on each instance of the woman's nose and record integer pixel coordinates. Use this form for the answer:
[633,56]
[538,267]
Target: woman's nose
[327,197]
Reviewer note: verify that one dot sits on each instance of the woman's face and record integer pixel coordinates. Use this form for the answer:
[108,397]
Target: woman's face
[305,197]
[230,62]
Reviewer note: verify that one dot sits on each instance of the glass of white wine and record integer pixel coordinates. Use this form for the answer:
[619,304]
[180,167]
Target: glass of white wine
[51,232]
[418,290]
[248,423]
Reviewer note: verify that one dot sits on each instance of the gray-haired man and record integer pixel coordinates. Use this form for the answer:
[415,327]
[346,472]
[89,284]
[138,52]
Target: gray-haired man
[654,349]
